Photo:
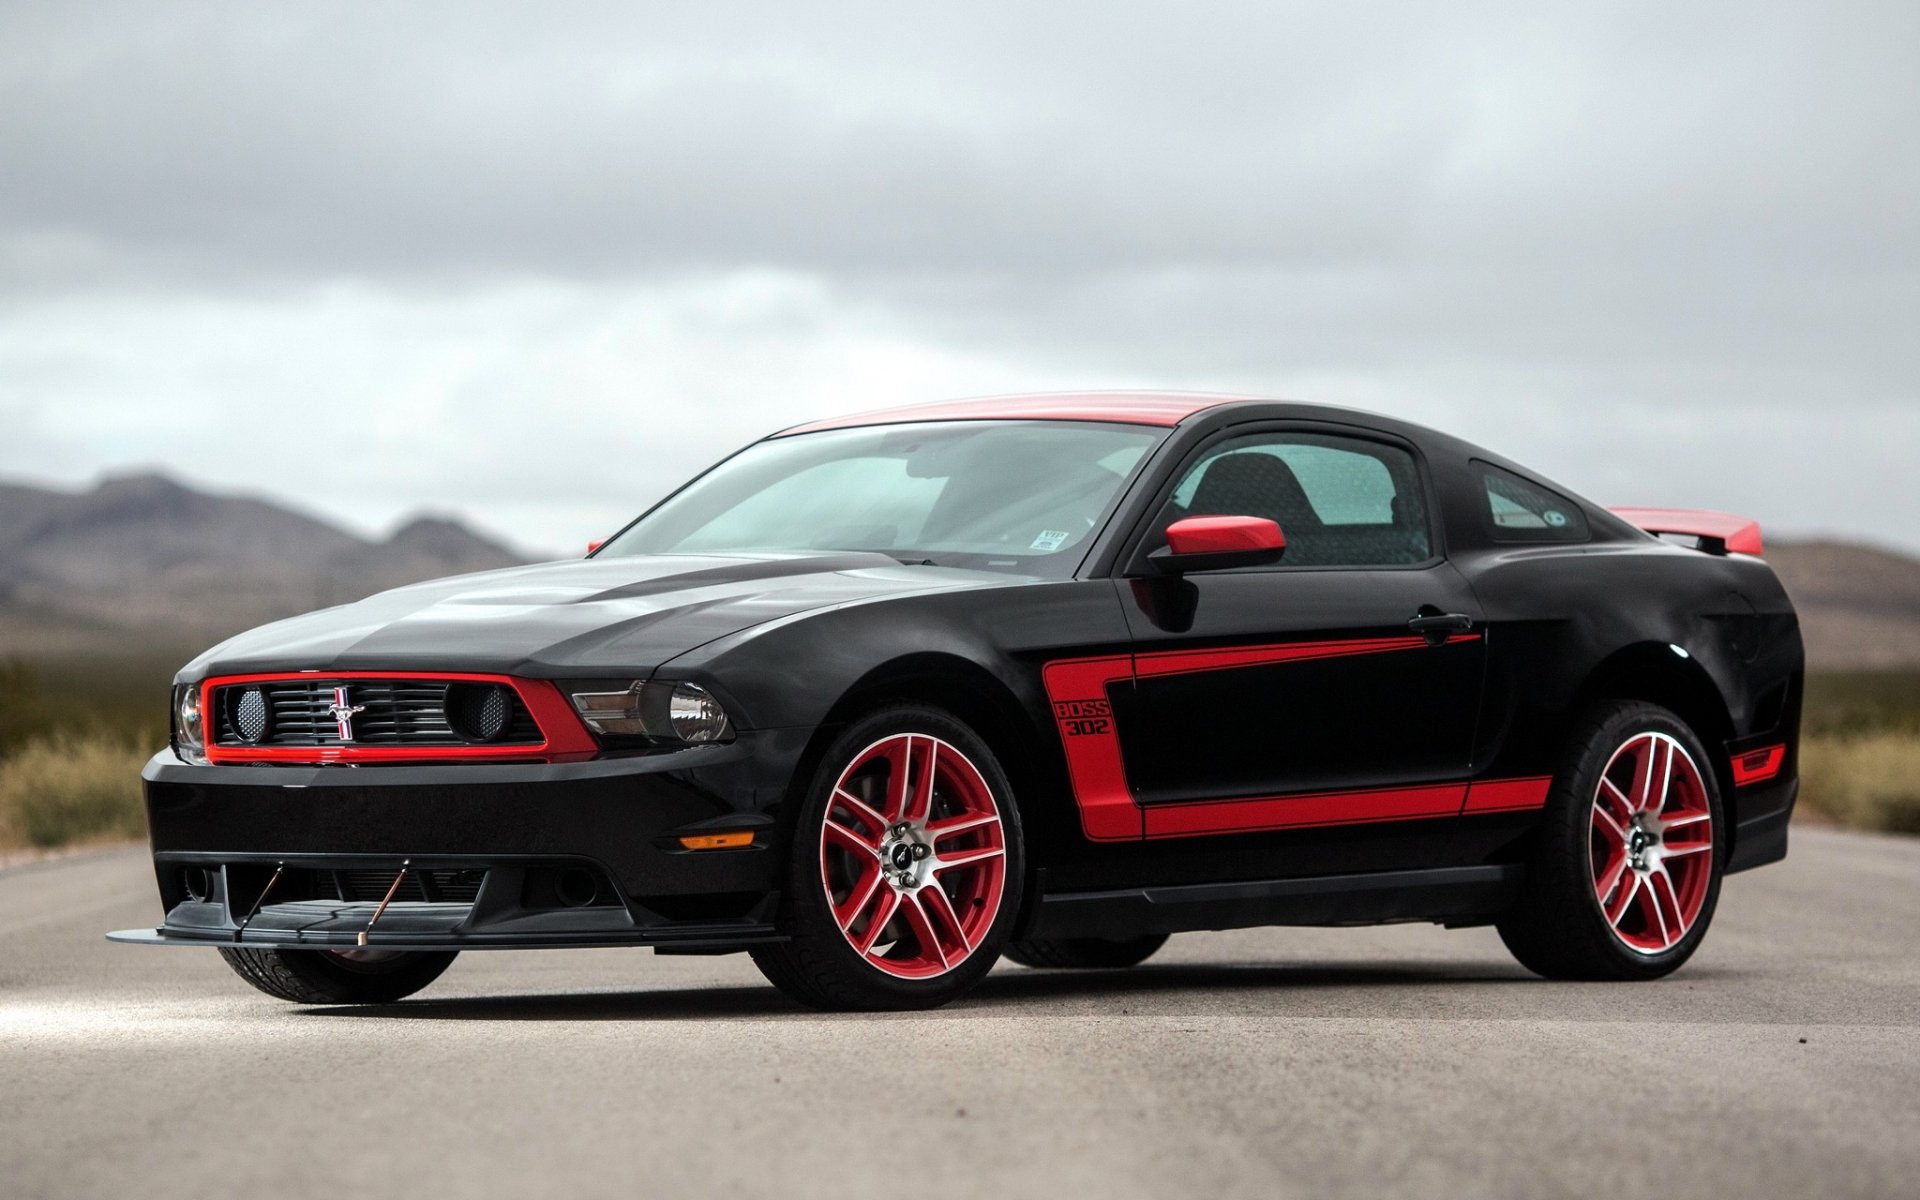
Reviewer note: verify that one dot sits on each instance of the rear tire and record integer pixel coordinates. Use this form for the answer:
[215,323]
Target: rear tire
[338,977]
[1085,954]
[1626,871]
[903,876]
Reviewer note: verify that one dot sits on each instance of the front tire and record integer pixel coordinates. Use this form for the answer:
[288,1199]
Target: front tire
[338,976]
[904,874]
[1626,874]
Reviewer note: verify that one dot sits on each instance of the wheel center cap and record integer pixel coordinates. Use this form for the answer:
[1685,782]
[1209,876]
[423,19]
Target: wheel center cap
[901,856]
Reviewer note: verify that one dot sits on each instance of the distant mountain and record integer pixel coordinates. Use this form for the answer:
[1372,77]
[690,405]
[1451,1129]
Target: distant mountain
[144,559]
[143,563]
[1859,606]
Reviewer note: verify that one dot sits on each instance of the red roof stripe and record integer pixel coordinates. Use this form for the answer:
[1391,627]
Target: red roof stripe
[1129,408]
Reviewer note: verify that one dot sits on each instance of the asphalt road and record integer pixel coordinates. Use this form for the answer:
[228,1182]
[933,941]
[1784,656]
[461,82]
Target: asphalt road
[1784,1061]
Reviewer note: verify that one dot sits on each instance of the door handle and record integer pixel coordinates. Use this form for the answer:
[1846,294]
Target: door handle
[1435,625]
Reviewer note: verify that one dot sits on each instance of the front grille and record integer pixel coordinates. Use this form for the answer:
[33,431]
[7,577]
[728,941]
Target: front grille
[388,712]
[444,887]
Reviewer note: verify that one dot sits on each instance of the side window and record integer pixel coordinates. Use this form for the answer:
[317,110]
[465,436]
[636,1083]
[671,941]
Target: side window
[1342,502]
[1519,510]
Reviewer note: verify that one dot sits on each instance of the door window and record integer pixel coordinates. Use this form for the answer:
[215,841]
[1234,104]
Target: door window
[1341,502]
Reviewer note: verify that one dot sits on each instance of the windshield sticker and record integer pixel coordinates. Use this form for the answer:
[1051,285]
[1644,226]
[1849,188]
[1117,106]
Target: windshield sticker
[1050,540]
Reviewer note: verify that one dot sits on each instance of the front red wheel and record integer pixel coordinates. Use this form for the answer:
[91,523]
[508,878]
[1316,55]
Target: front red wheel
[905,867]
[913,855]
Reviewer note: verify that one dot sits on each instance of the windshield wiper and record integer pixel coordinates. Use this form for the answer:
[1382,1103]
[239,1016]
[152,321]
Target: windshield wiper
[906,558]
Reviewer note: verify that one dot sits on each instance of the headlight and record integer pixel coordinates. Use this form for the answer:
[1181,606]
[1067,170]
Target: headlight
[696,716]
[189,731]
[655,712]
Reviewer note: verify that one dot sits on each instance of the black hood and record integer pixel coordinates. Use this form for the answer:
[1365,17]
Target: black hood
[587,617]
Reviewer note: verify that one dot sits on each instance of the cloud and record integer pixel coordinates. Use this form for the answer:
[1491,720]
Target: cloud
[552,412]
[575,139]
[539,262]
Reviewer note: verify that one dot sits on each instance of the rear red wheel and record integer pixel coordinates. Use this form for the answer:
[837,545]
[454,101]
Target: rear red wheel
[905,867]
[1651,850]
[1626,863]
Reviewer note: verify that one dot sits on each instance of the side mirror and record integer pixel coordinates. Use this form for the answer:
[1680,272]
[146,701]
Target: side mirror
[1219,544]
[593,547]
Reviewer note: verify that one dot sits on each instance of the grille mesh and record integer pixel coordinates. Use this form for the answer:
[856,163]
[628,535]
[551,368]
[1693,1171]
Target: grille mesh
[250,714]
[393,712]
[445,887]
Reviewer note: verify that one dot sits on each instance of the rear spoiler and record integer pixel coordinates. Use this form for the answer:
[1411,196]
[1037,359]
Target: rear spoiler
[1717,532]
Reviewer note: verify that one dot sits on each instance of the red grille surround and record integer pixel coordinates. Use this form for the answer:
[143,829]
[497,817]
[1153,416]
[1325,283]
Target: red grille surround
[563,737]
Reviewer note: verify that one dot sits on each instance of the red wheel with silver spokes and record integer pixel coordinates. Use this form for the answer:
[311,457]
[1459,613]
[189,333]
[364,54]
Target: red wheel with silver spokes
[1625,868]
[912,856]
[1651,850]
[905,868]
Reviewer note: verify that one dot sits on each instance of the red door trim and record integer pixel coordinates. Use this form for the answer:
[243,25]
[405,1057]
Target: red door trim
[1078,690]
[1300,811]
[1185,662]
[1507,795]
[1083,713]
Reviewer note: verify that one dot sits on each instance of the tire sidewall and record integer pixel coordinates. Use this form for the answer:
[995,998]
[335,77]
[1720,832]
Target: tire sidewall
[369,983]
[320,977]
[809,916]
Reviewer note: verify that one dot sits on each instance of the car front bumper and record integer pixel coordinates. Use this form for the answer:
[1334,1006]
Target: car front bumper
[471,856]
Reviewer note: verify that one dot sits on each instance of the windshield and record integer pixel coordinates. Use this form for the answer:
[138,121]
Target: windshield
[1017,496]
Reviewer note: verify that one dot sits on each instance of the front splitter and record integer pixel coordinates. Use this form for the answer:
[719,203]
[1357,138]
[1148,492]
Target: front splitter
[704,937]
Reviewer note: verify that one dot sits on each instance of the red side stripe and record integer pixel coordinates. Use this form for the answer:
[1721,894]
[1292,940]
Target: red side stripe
[1295,812]
[1507,795]
[1183,662]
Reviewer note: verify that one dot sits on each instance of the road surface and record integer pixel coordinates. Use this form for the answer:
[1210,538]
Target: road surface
[1784,1061]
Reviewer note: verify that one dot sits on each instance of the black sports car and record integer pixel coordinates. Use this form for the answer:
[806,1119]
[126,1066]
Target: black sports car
[878,700]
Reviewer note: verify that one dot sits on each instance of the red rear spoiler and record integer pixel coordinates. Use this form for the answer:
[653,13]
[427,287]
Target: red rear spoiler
[1719,533]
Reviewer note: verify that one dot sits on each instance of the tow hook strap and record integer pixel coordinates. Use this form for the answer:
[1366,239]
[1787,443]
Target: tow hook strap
[386,900]
[278,870]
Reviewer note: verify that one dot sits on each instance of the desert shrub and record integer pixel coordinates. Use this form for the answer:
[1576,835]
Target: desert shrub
[1857,702]
[110,698]
[1868,781]
[67,789]
[23,708]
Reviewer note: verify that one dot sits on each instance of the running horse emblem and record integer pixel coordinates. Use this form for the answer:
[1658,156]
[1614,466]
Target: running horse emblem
[342,713]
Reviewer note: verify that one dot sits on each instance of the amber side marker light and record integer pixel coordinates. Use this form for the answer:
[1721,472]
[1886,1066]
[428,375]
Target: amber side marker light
[717,841]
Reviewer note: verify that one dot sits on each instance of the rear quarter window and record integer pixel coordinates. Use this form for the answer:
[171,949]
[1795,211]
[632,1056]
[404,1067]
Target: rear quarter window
[1516,509]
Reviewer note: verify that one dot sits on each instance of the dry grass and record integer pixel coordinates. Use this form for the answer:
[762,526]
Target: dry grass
[1866,780]
[66,790]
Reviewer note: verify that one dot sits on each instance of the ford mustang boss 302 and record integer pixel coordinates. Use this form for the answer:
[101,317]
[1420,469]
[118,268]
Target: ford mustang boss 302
[879,700]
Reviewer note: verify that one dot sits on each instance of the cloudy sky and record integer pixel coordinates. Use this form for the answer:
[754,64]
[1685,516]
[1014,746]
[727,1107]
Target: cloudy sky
[535,263]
